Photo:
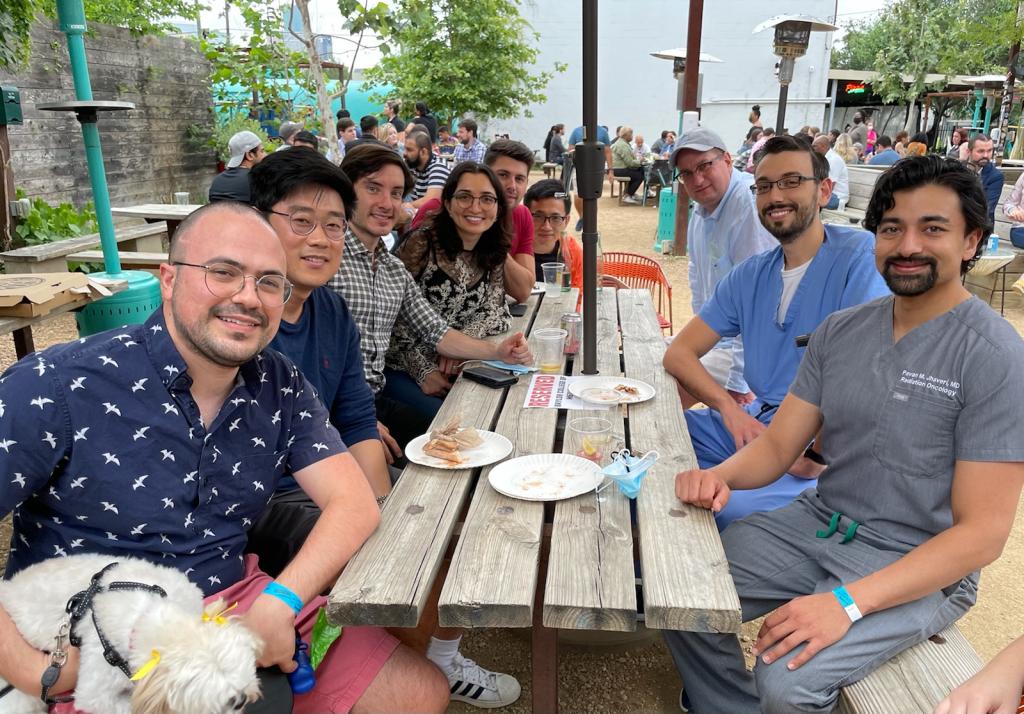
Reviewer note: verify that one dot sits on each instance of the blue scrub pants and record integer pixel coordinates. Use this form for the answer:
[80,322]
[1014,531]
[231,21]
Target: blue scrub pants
[403,388]
[713,444]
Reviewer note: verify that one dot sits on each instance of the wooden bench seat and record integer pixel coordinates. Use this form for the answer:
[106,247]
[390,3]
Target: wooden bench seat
[916,680]
[130,260]
[549,169]
[53,257]
[620,182]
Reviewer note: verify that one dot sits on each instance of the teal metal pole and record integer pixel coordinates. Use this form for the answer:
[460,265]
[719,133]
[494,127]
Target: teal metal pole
[72,22]
[977,108]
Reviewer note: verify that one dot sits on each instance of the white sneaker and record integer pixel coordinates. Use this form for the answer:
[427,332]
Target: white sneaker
[631,199]
[471,683]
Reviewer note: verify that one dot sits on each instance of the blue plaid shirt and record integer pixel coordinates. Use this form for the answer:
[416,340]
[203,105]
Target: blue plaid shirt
[102,450]
[475,152]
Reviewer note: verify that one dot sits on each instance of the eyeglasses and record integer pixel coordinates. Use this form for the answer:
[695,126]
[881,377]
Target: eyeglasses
[303,224]
[225,280]
[465,199]
[554,220]
[786,183]
[702,168]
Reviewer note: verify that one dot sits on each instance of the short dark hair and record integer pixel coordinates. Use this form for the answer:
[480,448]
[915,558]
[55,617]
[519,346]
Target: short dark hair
[883,140]
[283,173]
[916,171]
[421,108]
[368,123]
[547,188]
[782,144]
[343,114]
[493,246]
[468,125]
[343,124]
[515,150]
[306,136]
[416,129]
[421,139]
[370,158]
[976,138]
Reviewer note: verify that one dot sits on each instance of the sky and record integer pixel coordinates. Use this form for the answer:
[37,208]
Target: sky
[327,19]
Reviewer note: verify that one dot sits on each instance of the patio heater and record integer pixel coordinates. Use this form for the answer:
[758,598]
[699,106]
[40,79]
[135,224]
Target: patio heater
[792,35]
[678,57]
[143,294]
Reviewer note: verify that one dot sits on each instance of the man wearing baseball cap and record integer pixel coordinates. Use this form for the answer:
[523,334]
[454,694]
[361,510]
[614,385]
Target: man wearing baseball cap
[232,184]
[723,231]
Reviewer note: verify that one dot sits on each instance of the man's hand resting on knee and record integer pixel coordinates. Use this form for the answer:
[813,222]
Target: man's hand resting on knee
[818,620]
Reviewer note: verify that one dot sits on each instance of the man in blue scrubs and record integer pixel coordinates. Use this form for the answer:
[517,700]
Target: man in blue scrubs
[772,299]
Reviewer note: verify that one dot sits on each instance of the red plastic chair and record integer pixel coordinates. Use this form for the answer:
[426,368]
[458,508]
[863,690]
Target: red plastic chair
[639,271]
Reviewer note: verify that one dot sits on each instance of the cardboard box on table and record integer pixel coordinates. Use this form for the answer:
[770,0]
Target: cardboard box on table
[37,294]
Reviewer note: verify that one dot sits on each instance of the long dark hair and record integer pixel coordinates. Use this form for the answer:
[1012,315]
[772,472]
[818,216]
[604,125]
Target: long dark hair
[493,246]
[551,132]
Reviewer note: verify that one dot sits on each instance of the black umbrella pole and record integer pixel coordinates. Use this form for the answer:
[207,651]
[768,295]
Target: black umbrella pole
[780,122]
[590,179]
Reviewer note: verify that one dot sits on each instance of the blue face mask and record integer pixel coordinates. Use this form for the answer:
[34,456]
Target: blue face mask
[628,471]
[513,368]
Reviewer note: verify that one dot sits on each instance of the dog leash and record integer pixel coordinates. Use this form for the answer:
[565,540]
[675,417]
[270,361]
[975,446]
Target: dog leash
[82,602]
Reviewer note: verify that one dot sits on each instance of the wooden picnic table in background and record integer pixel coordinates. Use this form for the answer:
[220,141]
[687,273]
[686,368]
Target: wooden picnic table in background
[565,565]
[173,213]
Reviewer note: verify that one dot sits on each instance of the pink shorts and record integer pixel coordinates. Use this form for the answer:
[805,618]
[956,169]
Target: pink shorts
[349,667]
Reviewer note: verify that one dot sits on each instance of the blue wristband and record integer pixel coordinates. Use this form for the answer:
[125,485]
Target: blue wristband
[285,595]
[846,600]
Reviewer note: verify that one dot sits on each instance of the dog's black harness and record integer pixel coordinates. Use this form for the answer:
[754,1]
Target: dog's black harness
[82,602]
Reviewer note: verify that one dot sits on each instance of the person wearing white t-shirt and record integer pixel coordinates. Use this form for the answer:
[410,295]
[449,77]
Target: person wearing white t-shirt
[837,171]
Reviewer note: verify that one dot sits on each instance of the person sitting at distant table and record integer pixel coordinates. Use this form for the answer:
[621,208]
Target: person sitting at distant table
[625,163]
[549,205]
[663,144]
[641,150]
[457,258]
[885,155]
[232,184]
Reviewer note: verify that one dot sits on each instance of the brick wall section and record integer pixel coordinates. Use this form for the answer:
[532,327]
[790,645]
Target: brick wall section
[147,151]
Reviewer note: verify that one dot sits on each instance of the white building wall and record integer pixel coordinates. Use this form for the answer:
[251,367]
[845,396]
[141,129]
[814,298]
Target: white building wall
[639,90]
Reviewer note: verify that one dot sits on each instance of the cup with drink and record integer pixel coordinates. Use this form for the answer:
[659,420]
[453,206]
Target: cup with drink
[549,345]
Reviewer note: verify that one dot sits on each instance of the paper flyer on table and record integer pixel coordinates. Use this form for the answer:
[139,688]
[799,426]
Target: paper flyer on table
[551,391]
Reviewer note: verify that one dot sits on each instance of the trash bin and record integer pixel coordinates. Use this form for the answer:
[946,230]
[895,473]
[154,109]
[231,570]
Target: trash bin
[666,218]
[128,307]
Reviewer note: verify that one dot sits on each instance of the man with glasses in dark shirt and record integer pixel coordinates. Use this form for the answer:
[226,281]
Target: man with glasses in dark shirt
[772,298]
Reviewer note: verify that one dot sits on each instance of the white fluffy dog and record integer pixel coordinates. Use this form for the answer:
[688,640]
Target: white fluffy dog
[205,665]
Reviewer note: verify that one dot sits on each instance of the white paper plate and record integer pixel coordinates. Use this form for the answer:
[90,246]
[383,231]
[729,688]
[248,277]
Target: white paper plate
[545,477]
[495,448]
[602,390]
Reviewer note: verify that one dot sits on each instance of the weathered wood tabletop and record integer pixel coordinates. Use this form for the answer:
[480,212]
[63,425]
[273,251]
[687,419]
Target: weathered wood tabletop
[173,213]
[565,565]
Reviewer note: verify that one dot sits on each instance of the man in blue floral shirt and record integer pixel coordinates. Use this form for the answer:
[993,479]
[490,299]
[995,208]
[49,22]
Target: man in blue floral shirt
[165,441]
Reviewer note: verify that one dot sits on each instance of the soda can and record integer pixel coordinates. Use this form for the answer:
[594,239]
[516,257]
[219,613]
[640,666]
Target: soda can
[572,323]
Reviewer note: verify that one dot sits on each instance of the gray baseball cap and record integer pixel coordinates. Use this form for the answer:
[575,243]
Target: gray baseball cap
[699,139]
[240,144]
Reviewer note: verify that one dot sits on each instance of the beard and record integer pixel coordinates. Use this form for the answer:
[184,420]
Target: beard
[910,285]
[220,351]
[803,216]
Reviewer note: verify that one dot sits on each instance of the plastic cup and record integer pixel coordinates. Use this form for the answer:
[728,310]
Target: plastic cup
[549,345]
[181,198]
[591,438]
[552,278]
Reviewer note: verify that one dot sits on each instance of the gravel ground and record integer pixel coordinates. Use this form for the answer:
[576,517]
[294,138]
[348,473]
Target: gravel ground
[638,677]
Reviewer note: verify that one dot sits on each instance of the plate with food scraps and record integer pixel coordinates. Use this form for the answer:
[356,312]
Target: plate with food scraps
[545,477]
[427,451]
[611,390]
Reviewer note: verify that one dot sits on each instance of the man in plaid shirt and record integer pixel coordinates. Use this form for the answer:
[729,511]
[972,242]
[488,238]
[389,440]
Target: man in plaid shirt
[470,148]
[378,289]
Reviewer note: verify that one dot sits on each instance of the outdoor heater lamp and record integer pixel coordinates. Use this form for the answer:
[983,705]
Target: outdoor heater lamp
[792,35]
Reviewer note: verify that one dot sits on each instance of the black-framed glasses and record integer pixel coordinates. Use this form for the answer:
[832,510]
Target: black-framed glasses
[554,220]
[786,183]
[303,223]
[226,280]
[465,199]
[700,169]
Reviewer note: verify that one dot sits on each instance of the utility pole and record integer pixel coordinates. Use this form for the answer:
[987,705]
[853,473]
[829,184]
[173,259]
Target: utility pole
[1007,104]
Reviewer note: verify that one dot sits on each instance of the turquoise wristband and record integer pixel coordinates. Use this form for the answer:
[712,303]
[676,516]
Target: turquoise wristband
[846,600]
[285,595]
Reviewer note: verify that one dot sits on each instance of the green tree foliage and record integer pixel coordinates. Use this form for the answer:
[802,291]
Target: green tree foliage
[142,18]
[462,57]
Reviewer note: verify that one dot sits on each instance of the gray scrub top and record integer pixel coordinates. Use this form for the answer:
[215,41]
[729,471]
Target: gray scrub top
[896,417]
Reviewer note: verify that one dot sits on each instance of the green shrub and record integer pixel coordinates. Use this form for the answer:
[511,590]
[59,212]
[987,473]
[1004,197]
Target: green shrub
[227,129]
[46,223]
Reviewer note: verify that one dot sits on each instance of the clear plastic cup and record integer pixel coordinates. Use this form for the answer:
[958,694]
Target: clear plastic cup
[591,438]
[181,198]
[549,344]
[552,278]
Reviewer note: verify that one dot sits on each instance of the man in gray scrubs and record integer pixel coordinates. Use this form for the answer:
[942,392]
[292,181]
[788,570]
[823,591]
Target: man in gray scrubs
[916,395]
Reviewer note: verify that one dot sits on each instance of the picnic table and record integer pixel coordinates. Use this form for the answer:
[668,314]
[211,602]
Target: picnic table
[173,213]
[563,565]
[20,328]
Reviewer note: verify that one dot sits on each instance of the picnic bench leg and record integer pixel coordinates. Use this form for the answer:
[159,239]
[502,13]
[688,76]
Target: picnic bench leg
[544,641]
[23,343]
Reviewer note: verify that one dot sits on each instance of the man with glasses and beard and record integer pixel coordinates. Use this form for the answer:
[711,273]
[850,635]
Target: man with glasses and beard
[772,299]
[916,395]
